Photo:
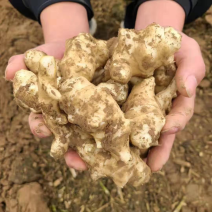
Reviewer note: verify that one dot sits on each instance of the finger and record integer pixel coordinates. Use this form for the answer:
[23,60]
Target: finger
[53,49]
[15,63]
[73,160]
[37,126]
[191,67]
[159,155]
[180,114]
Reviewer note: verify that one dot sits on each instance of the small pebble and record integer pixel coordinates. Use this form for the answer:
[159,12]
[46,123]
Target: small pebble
[205,83]
[182,170]
[57,182]
[4,182]
[34,164]
[201,154]
[50,184]
[208,18]
[67,204]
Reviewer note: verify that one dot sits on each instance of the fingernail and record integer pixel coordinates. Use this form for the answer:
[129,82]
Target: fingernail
[5,73]
[11,59]
[171,130]
[157,171]
[190,85]
[41,130]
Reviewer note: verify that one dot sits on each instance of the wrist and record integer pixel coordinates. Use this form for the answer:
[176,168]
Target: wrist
[63,20]
[163,12]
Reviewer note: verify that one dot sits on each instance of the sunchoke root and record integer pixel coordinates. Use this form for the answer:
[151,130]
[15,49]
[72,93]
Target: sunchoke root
[145,114]
[83,56]
[100,98]
[140,53]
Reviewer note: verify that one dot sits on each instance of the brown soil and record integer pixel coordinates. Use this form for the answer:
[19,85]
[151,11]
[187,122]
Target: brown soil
[28,173]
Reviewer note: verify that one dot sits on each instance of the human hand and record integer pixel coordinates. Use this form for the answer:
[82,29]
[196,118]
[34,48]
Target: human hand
[58,26]
[36,121]
[190,72]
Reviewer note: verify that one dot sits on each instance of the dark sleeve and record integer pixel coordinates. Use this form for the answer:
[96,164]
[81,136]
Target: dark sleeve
[37,6]
[193,9]
[187,5]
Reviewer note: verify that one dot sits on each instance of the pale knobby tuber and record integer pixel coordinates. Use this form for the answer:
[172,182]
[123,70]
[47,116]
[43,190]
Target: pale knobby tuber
[48,99]
[32,59]
[103,164]
[84,98]
[96,112]
[140,53]
[163,76]
[118,91]
[145,114]
[164,98]
[25,89]
[83,56]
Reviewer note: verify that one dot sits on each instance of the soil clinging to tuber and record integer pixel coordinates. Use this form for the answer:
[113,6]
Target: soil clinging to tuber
[105,99]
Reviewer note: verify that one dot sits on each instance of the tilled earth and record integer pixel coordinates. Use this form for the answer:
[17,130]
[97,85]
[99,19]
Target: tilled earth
[31,181]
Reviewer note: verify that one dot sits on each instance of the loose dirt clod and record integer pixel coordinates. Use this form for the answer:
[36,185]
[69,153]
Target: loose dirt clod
[31,198]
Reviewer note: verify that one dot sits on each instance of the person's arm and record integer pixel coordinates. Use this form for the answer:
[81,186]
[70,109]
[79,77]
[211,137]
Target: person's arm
[60,21]
[163,12]
[63,20]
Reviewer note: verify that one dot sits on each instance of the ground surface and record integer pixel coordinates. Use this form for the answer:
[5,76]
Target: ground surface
[31,181]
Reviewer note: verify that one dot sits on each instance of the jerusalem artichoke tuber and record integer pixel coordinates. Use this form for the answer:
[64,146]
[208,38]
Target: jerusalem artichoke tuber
[145,115]
[140,53]
[84,98]
[83,56]
[97,113]
[25,89]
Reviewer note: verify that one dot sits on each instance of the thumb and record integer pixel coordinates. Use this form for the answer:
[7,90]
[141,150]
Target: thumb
[191,67]
[16,62]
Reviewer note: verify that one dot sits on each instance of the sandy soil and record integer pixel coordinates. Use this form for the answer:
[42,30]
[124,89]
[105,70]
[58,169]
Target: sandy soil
[30,180]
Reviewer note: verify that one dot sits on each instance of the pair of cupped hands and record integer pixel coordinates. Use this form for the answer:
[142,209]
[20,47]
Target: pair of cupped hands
[190,72]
